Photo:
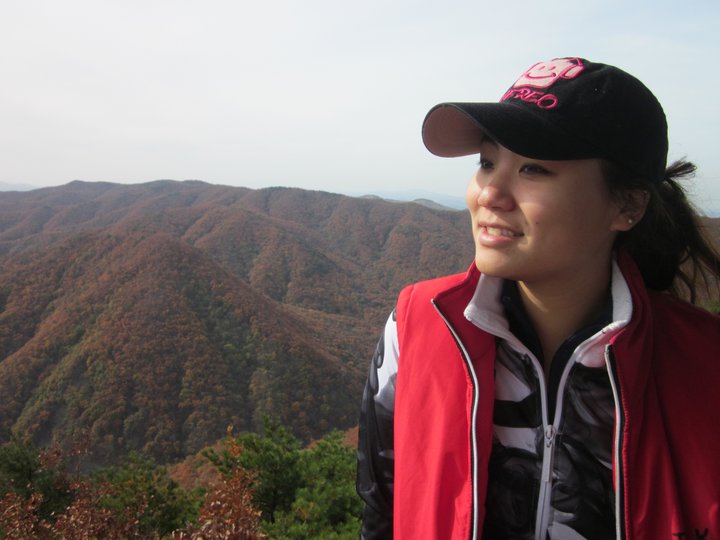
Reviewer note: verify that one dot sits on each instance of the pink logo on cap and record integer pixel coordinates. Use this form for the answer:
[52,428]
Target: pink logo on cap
[543,75]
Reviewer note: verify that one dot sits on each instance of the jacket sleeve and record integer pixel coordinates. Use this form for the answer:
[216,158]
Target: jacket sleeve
[375,444]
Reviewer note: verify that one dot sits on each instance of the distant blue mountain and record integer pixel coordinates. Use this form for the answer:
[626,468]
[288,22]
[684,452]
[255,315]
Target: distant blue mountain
[421,196]
[16,187]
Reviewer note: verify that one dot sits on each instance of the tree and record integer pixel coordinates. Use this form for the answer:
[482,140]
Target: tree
[41,500]
[326,506]
[227,513]
[302,493]
[140,483]
[26,471]
[272,458]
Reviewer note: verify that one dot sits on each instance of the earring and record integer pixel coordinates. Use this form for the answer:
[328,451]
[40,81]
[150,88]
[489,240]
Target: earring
[631,221]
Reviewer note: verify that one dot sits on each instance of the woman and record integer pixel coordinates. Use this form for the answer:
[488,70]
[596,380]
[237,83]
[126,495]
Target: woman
[559,389]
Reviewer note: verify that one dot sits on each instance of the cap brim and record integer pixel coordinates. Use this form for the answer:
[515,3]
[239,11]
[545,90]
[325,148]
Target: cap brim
[458,129]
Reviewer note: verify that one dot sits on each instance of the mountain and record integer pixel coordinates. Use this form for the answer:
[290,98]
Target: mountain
[16,187]
[422,197]
[150,317]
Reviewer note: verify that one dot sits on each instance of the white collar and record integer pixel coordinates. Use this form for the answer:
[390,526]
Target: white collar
[486,311]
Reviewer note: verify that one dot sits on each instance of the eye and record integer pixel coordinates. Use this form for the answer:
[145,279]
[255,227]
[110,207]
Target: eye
[485,163]
[534,169]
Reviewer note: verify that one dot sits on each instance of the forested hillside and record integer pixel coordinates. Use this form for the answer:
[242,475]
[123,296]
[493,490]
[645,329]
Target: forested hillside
[150,317]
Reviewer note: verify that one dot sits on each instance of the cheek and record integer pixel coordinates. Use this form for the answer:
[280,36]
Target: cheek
[578,222]
[471,194]
[556,218]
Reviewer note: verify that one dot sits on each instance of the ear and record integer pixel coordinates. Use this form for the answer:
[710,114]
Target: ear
[631,209]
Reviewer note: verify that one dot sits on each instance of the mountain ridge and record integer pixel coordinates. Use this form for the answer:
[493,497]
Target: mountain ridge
[152,316]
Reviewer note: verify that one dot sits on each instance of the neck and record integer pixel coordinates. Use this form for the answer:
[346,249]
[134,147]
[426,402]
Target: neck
[557,312]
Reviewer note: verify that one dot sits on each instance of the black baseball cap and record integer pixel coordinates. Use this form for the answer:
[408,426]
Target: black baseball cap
[565,108]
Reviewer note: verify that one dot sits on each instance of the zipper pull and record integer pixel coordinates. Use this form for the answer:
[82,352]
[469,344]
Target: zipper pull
[549,453]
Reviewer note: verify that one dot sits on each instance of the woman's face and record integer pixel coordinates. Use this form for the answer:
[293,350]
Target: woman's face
[540,221]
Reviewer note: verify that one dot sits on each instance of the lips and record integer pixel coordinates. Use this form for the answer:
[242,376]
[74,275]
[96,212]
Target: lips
[494,230]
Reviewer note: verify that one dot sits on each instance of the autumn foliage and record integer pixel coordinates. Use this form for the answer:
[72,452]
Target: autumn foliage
[251,499]
[152,316]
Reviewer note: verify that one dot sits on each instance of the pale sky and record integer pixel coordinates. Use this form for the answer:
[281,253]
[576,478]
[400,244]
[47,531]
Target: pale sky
[318,94]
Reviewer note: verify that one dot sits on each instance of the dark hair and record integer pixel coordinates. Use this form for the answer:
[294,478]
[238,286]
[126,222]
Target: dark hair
[669,244]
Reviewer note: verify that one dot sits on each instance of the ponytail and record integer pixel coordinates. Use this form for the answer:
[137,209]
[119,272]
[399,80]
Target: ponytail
[670,243]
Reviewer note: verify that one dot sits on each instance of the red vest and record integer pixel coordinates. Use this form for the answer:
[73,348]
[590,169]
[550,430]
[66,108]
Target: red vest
[665,366]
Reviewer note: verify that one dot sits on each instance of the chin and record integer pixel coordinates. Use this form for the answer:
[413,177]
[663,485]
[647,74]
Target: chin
[496,268]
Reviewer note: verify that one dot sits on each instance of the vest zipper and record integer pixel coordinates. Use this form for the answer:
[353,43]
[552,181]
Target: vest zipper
[548,458]
[549,445]
[619,429]
[545,496]
[473,426]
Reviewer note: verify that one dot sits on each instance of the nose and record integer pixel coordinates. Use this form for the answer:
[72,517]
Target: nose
[493,193]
